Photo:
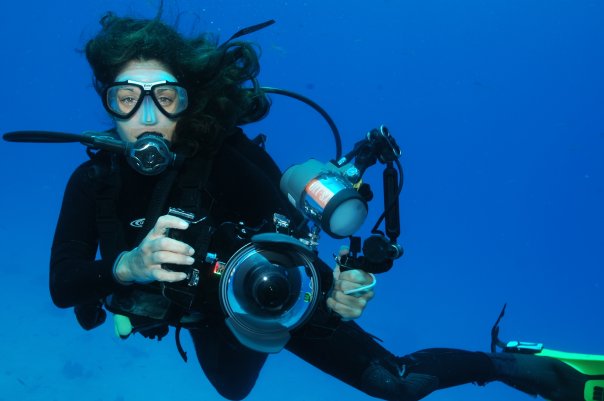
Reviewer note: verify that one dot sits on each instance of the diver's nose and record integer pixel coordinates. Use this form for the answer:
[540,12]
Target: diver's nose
[148,116]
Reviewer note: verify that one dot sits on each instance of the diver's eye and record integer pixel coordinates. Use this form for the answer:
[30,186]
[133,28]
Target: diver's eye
[127,97]
[165,100]
[128,101]
[166,96]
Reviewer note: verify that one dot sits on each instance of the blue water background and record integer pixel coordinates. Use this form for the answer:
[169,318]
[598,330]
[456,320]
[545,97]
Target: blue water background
[497,105]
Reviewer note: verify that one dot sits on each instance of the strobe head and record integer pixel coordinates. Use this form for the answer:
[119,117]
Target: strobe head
[325,196]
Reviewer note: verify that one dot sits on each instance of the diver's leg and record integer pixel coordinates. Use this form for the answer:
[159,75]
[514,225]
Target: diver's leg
[231,368]
[425,371]
[344,352]
[353,356]
[536,375]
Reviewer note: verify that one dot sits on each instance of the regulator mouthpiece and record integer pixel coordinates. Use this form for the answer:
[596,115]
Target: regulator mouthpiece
[150,154]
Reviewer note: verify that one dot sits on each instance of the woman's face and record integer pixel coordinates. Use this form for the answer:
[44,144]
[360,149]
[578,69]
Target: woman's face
[148,118]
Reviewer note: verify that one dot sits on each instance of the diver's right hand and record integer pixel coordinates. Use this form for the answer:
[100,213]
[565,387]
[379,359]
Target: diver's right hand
[143,263]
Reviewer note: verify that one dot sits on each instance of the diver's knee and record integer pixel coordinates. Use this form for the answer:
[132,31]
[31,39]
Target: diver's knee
[233,393]
[232,388]
[389,381]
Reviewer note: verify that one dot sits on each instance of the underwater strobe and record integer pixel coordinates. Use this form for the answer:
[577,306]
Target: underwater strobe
[335,198]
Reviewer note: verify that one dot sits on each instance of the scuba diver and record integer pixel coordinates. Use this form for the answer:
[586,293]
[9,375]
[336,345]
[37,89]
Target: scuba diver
[165,91]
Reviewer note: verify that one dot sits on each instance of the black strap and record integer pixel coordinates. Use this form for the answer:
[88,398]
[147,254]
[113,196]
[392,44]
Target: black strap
[108,184]
[104,172]
[181,350]
[158,200]
[192,183]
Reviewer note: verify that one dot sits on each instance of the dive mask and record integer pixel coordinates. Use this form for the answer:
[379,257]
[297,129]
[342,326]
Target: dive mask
[123,99]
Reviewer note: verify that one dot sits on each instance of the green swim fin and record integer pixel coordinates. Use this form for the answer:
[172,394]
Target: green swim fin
[589,368]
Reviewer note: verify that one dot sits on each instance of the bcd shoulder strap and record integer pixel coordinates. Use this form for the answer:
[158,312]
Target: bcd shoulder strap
[104,173]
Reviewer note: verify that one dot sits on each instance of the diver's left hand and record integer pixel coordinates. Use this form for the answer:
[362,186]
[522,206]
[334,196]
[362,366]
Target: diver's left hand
[350,306]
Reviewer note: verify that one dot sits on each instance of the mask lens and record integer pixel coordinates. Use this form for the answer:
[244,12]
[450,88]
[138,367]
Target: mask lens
[171,99]
[122,99]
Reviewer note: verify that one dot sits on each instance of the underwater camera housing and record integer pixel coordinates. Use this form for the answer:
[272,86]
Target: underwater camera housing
[266,284]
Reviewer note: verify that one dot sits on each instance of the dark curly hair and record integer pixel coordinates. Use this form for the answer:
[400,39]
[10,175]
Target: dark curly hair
[213,75]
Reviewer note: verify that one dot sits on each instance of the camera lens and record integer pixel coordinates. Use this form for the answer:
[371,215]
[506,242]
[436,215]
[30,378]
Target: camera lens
[269,287]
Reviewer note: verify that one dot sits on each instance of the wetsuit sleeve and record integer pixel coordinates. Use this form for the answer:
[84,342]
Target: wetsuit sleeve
[75,276]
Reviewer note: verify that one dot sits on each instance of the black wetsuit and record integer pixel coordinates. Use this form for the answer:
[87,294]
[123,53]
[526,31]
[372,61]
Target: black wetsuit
[238,189]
